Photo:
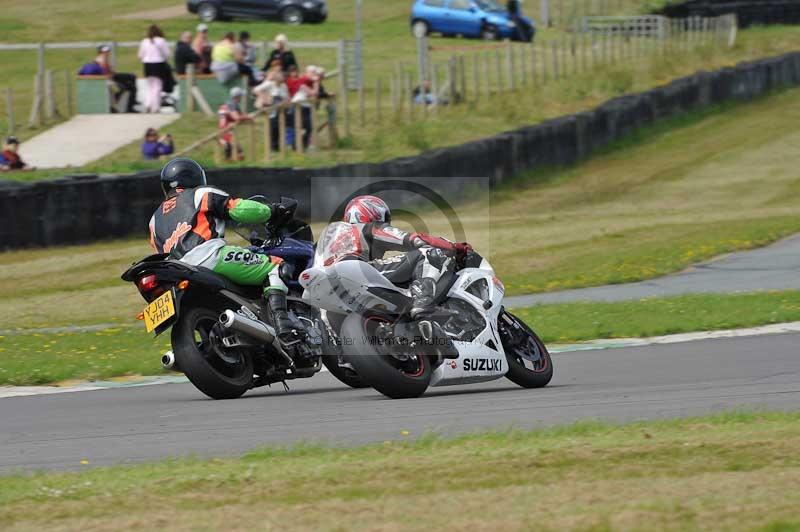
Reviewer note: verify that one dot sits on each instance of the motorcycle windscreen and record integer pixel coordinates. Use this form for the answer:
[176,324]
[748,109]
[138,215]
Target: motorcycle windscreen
[338,241]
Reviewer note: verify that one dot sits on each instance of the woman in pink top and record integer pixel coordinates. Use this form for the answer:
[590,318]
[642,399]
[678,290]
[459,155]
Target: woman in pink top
[154,53]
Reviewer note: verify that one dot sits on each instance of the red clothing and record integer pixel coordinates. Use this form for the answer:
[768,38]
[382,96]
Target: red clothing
[13,160]
[294,84]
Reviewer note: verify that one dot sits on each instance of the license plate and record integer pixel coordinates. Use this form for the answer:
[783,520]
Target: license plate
[159,311]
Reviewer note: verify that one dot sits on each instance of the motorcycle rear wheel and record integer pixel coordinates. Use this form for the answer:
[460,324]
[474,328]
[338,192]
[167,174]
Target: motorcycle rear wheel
[192,343]
[387,374]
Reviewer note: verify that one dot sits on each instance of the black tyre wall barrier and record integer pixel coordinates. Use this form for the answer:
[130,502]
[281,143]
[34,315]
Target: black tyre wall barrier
[748,12]
[86,209]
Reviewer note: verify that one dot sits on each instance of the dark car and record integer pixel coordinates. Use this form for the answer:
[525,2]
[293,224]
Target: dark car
[289,11]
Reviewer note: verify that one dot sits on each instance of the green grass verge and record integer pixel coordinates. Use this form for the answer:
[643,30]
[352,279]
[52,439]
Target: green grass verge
[571,322]
[30,359]
[728,471]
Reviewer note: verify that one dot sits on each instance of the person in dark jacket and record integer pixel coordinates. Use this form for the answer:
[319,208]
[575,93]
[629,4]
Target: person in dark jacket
[184,54]
[282,54]
[155,147]
[101,66]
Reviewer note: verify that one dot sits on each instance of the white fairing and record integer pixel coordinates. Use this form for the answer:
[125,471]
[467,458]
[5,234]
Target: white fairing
[342,287]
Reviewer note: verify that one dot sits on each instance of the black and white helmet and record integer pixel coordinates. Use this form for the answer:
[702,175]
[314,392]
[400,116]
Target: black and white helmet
[182,172]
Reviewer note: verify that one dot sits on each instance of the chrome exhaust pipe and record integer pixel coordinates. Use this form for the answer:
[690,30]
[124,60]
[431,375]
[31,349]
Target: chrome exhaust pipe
[252,328]
[168,361]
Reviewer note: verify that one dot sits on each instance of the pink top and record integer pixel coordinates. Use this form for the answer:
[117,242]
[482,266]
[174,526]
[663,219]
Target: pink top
[155,51]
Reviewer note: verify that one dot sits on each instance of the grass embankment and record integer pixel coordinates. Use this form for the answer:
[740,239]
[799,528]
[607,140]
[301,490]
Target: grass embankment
[675,195]
[387,40]
[731,471]
[35,358]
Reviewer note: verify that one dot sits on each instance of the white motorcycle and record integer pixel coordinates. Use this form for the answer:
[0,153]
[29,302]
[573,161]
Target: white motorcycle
[469,338]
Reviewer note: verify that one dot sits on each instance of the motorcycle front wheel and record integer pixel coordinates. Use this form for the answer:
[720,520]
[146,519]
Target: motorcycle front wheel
[393,373]
[217,373]
[529,362]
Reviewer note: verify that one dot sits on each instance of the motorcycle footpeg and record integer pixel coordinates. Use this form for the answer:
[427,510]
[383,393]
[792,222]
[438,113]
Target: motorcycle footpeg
[426,330]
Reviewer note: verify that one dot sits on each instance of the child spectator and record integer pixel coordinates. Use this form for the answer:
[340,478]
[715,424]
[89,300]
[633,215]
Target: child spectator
[184,55]
[282,54]
[272,90]
[223,59]
[155,147]
[230,114]
[295,83]
[202,47]
[11,159]
[154,53]
[124,83]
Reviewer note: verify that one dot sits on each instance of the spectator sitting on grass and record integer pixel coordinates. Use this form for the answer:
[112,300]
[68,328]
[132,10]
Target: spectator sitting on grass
[223,59]
[282,54]
[202,47]
[155,147]
[184,55]
[10,156]
[230,114]
[123,82]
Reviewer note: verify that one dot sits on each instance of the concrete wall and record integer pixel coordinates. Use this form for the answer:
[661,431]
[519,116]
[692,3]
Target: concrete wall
[78,210]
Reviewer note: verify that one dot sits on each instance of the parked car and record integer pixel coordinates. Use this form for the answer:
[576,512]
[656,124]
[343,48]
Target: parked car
[485,19]
[289,11]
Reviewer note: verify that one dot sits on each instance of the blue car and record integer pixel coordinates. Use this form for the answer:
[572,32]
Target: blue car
[485,19]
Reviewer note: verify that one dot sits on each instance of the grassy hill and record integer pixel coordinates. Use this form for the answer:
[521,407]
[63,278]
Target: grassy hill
[387,40]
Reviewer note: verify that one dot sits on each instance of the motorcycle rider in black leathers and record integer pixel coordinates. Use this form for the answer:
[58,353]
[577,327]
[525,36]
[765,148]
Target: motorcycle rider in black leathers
[423,263]
[190,226]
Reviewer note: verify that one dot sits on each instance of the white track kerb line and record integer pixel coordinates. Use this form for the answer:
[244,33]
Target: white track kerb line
[593,345]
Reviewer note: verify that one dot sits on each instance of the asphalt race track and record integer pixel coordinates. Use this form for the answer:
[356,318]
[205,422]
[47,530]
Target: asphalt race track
[773,267]
[151,422]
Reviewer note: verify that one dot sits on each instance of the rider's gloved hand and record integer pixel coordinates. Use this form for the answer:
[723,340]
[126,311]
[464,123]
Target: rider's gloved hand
[462,250]
[280,213]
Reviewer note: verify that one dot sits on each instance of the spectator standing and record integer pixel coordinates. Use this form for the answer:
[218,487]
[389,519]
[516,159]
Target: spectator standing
[230,114]
[202,47]
[154,53]
[155,147]
[223,59]
[11,159]
[184,54]
[520,26]
[282,54]
[125,83]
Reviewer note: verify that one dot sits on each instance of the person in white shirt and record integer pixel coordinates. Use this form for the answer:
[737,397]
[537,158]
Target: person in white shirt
[154,53]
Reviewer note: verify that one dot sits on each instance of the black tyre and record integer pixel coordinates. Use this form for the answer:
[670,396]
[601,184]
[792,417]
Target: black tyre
[292,15]
[207,12]
[332,359]
[489,32]
[344,374]
[395,377]
[529,363]
[420,28]
[218,374]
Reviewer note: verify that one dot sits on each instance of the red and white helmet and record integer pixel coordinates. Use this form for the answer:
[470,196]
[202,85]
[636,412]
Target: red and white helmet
[366,209]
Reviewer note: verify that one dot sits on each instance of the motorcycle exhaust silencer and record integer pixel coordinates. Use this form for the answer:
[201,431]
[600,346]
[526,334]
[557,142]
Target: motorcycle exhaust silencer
[252,328]
[168,361]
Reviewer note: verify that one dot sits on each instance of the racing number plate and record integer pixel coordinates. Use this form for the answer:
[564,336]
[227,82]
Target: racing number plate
[159,311]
